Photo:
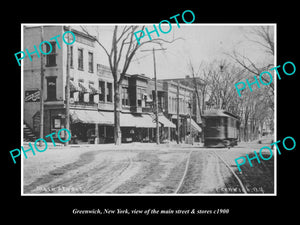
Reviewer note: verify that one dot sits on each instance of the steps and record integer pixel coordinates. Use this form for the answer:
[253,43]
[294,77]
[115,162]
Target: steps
[28,133]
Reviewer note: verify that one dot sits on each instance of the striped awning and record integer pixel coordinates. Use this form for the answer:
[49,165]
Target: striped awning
[194,125]
[93,89]
[84,87]
[74,87]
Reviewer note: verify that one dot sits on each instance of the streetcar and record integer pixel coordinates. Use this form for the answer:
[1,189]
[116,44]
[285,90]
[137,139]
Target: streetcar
[221,128]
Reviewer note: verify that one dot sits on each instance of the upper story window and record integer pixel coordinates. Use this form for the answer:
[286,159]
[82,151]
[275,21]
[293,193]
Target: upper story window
[80,58]
[109,92]
[139,97]
[91,62]
[102,91]
[98,69]
[125,98]
[51,58]
[71,57]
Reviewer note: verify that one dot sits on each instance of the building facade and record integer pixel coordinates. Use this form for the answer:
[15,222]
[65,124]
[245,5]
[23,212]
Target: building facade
[181,109]
[91,91]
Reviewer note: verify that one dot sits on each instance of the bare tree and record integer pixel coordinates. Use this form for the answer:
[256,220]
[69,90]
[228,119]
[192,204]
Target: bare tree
[219,77]
[263,36]
[124,46]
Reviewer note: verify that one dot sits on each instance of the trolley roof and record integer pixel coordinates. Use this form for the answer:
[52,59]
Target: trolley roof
[218,112]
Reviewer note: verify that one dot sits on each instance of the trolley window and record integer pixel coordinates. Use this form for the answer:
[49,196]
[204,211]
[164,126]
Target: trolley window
[213,122]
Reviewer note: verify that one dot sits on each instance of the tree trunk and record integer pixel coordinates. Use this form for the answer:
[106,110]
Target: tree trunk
[117,111]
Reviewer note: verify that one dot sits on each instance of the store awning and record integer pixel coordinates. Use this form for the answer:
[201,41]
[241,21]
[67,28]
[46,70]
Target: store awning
[164,121]
[109,116]
[84,87]
[88,116]
[93,89]
[139,121]
[74,87]
[194,125]
[126,119]
[147,122]
[167,123]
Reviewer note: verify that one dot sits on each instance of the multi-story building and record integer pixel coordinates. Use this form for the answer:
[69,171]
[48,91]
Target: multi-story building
[182,97]
[91,91]
[167,127]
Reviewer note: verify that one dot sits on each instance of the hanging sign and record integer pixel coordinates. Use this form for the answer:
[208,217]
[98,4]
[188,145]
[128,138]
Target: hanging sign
[32,96]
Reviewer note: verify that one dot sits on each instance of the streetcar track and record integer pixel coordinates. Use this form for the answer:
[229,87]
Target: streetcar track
[185,173]
[232,171]
[116,178]
[181,183]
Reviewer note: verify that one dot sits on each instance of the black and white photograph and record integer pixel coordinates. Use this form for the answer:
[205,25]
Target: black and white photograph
[134,110]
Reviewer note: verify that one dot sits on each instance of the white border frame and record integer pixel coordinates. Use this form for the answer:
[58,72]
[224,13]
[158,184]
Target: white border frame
[132,195]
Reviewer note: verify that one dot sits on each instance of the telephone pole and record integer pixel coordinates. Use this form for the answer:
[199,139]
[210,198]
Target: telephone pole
[156,95]
[156,98]
[42,91]
[178,122]
[67,118]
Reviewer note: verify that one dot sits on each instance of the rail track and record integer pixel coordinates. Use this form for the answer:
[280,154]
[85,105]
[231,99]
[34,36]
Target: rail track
[181,183]
[185,172]
[232,171]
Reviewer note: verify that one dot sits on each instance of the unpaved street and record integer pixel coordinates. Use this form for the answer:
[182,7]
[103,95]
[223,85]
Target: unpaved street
[143,169]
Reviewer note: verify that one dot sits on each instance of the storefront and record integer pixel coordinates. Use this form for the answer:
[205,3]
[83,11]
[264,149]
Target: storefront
[87,125]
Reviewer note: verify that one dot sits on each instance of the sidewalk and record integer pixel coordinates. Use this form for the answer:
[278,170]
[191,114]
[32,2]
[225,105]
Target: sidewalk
[133,145]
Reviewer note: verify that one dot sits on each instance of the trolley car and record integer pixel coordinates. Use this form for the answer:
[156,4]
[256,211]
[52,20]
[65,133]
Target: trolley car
[221,128]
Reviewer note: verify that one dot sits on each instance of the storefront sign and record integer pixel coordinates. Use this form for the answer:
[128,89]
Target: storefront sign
[32,96]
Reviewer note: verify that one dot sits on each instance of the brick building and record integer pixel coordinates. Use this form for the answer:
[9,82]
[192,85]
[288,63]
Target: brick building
[91,91]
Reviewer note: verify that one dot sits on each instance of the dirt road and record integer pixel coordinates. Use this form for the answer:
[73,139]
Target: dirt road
[150,170]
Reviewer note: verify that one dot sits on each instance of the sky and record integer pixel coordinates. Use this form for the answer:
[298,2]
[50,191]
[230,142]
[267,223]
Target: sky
[201,43]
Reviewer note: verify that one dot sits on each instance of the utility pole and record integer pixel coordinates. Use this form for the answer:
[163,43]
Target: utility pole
[67,118]
[156,95]
[156,100]
[42,91]
[178,123]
